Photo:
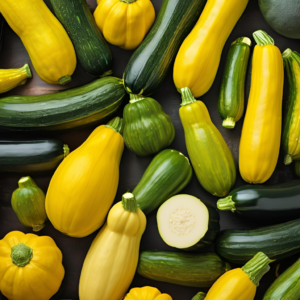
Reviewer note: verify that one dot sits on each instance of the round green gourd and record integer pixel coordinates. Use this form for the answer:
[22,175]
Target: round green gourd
[148,129]
[28,202]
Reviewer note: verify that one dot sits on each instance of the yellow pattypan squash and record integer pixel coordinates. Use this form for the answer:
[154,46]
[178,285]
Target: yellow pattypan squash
[146,293]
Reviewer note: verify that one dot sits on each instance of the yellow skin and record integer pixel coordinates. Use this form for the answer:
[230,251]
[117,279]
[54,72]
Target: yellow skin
[124,24]
[261,134]
[84,185]
[111,262]
[38,280]
[199,56]
[146,293]
[46,41]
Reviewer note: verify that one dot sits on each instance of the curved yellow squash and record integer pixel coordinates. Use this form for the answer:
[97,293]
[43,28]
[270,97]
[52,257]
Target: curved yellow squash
[199,56]
[46,41]
[84,185]
[261,134]
[124,23]
[111,262]
[146,293]
[30,267]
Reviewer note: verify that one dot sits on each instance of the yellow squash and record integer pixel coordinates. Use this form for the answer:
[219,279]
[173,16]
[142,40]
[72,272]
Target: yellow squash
[124,23]
[84,185]
[146,293]
[46,41]
[111,262]
[11,78]
[241,283]
[261,134]
[30,267]
[199,56]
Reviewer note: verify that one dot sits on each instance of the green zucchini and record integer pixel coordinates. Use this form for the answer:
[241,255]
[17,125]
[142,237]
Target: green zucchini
[232,92]
[270,203]
[199,296]
[286,286]
[31,156]
[91,48]
[148,129]
[291,128]
[152,60]
[168,173]
[188,269]
[276,241]
[68,109]
[297,168]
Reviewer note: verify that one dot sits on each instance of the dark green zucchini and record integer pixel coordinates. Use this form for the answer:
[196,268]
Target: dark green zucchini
[188,269]
[297,168]
[168,173]
[91,48]
[269,203]
[276,241]
[68,109]
[31,156]
[150,63]
[232,93]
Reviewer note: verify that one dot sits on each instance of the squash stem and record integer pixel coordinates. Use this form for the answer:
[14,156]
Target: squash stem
[226,204]
[116,124]
[242,40]
[26,182]
[129,202]
[64,80]
[257,267]
[187,96]
[38,227]
[135,98]
[127,1]
[287,53]
[21,255]
[27,70]
[199,296]
[229,123]
[66,150]
[262,38]
[288,159]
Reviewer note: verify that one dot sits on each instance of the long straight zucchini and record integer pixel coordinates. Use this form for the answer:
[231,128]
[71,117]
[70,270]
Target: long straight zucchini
[31,156]
[276,241]
[188,269]
[272,204]
[91,48]
[68,109]
[150,63]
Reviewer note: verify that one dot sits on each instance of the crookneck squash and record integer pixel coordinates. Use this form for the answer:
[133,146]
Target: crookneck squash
[84,186]
[146,293]
[198,59]
[210,156]
[111,262]
[148,129]
[124,23]
[46,41]
[31,259]
[261,134]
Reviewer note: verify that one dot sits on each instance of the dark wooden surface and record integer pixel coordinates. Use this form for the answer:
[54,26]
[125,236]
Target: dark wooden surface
[14,55]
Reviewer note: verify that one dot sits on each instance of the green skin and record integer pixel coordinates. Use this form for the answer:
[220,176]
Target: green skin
[286,286]
[91,48]
[152,60]
[232,92]
[276,241]
[31,156]
[168,173]
[199,296]
[187,269]
[148,129]
[297,168]
[88,104]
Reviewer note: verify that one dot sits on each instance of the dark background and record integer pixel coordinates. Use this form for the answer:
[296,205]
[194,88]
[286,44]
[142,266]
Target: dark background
[14,55]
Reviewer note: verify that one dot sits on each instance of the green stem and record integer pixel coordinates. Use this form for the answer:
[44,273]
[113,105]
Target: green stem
[26,182]
[66,150]
[27,70]
[116,124]
[21,255]
[38,227]
[129,202]
[257,267]
[229,123]
[287,53]
[262,38]
[199,296]
[127,1]
[106,74]
[64,80]
[288,159]
[242,40]
[135,98]
[187,96]
[226,204]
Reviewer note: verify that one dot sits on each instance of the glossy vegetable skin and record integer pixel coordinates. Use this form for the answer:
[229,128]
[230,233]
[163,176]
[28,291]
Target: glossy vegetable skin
[168,173]
[270,204]
[91,48]
[146,293]
[210,156]
[31,156]
[261,133]
[232,92]
[47,43]
[187,269]
[88,104]
[31,259]
[150,63]
[124,23]
[199,56]
[276,241]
